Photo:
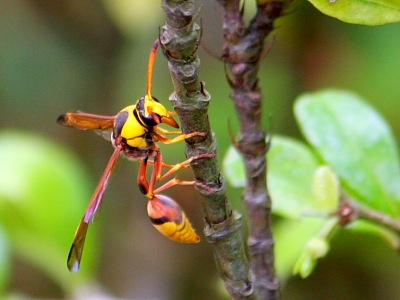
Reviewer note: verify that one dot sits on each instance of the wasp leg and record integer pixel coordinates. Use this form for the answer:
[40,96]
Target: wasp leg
[164,165]
[142,181]
[147,186]
[185,164]
[176,181]
[167,132]
[178,138]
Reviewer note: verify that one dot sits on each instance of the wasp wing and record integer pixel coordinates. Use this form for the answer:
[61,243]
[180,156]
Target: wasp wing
[104,133]
[85,121]
[101,187]
[75,253]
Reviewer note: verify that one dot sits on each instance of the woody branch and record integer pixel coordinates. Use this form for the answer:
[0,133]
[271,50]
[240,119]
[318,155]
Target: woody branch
[180,38]
[241,53]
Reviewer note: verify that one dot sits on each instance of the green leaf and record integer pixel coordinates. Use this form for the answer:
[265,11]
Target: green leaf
[356,142]
[325,188]
[291,168]
[290,174]
[233,168]
[316,247]
[43,194]
[363,226]
[5,259]
[291,238]
[364,12]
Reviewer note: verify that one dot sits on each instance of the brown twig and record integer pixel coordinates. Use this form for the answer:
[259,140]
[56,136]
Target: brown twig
[242,53]
[350,211]
[180,39]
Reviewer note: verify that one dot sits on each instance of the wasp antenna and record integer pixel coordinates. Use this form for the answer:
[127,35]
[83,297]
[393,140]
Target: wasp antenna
[150,67]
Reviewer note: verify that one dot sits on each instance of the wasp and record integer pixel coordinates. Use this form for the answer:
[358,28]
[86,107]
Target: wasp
[134,133]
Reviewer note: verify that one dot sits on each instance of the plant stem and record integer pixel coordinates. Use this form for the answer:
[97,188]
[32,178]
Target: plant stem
[350,210]
[180,38]
[242,52]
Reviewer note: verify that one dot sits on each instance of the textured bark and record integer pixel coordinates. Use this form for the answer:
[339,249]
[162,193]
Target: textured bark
[180,38]
[242,53]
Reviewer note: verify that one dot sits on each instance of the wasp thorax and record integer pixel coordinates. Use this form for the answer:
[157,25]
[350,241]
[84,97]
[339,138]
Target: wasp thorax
[130,126]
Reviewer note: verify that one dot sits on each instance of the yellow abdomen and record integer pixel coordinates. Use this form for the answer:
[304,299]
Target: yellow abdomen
[169,219]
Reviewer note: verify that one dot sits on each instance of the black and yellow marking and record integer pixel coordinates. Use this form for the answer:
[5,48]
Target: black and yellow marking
[169,219]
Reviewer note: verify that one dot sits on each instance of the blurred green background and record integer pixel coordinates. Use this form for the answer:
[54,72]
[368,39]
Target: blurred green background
[91,56]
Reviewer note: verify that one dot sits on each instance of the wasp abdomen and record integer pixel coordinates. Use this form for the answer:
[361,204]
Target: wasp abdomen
[169,219]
